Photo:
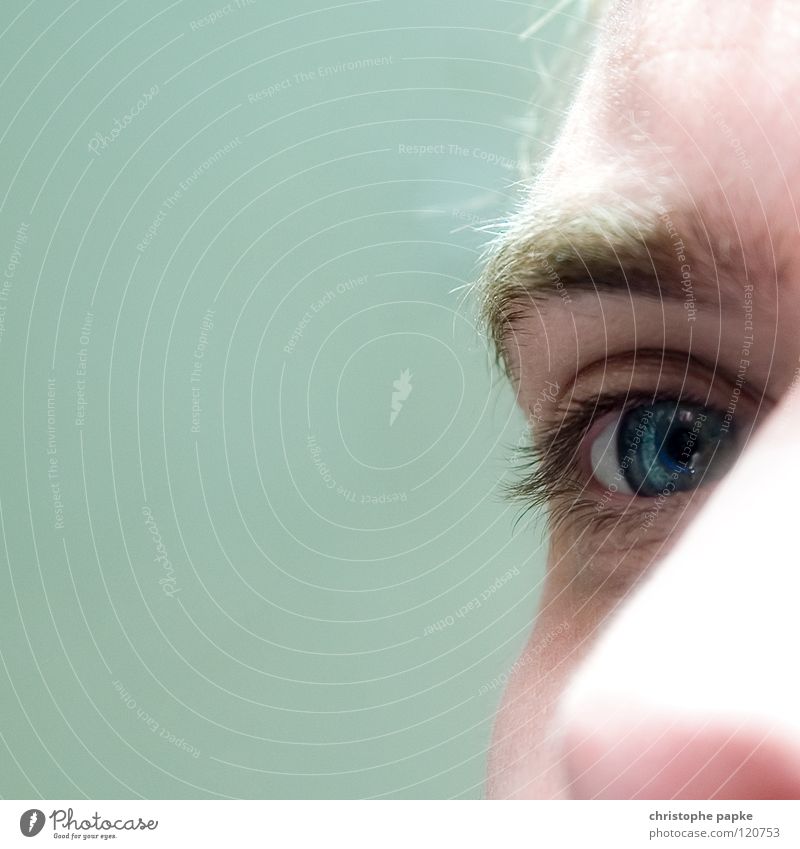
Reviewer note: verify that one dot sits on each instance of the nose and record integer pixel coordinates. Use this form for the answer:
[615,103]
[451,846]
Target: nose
[692,692]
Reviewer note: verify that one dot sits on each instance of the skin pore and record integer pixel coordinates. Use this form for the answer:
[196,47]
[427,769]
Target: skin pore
[653,276]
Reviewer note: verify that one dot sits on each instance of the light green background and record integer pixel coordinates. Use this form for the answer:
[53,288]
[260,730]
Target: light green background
[294,655]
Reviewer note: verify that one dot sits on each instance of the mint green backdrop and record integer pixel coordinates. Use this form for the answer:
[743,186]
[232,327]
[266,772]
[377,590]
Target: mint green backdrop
[253,543]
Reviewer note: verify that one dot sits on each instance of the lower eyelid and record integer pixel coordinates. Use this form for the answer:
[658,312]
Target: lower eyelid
[623,524]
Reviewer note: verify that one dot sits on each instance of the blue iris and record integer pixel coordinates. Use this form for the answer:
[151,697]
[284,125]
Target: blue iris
[671,446]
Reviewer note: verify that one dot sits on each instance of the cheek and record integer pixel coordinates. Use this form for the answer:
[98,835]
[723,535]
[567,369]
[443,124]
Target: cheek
[591,572]
[524,760]
[525,756]
[579,597]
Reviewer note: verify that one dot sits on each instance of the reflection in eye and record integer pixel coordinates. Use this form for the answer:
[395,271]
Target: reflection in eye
[664,447]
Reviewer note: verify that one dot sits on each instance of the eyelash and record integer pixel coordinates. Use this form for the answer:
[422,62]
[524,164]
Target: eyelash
[549,472]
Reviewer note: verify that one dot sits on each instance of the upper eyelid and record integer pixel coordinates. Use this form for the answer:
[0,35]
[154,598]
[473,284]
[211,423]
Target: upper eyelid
[700,381]
[642,358]
[593,410]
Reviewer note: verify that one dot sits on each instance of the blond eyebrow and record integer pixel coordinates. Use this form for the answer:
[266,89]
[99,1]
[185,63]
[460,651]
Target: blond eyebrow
[630,251]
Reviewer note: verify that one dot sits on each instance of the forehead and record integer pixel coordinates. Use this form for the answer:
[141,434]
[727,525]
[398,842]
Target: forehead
[696,101]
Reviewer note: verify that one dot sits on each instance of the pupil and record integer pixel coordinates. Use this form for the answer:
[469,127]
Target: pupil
[678,449]
[679,445]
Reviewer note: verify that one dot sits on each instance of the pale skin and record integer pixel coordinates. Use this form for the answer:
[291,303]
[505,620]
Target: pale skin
[674,671]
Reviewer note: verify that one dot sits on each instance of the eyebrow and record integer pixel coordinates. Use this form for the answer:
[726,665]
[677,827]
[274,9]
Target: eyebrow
[629,251]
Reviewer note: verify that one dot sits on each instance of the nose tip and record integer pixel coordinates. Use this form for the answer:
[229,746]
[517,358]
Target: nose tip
[625,753]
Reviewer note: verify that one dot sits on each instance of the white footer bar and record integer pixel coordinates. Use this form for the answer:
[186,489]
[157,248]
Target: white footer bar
[400,824]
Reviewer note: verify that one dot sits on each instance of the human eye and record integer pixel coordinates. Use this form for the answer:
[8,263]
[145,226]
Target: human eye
[632,440]
[662,447]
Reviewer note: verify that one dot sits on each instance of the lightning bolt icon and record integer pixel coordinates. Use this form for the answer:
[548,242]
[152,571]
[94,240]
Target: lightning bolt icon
[32,823]
[402,389]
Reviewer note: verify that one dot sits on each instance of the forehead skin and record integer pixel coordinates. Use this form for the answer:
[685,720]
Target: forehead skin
[693,98]
[667,78]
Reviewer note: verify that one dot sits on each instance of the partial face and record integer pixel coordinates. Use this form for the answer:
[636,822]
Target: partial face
[647,301]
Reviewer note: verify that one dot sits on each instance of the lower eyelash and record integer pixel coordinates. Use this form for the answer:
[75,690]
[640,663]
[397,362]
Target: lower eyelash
[569,508]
